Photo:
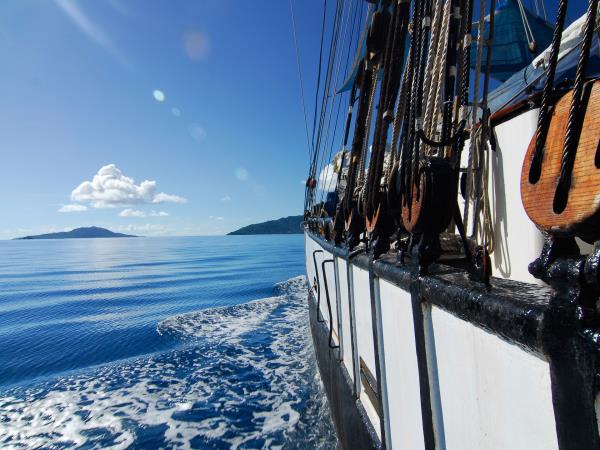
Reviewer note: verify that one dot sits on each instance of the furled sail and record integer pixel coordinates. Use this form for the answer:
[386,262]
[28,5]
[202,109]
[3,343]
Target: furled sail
[519,36]
[531,78]
[360,54]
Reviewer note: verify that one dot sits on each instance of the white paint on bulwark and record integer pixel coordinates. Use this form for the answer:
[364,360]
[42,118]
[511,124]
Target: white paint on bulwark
[517,240]
[345,315]
[402,369]
[364,333]
[494,395]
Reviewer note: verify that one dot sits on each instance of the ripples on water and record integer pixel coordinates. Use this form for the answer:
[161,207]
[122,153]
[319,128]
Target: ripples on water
[158,343]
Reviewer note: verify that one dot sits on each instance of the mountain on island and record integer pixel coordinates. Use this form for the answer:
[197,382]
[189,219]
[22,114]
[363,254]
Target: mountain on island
[285,225]
[80,233]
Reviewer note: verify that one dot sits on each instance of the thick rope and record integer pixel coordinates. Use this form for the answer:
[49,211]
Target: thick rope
[546,103]
[366,79]
[434,71]
[470,191]
[365,149]
[393,59]
[481,181]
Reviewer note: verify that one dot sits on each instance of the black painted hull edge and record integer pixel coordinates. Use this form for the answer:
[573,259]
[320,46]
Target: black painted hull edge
[353,428]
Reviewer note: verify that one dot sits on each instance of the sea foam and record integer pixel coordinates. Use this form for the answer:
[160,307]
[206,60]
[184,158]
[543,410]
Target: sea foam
[241,376]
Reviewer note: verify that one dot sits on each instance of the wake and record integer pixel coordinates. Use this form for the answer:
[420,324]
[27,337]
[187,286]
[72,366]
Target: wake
[244,376]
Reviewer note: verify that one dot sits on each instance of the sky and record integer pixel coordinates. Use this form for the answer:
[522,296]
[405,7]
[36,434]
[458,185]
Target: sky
[155,117]
[162,117]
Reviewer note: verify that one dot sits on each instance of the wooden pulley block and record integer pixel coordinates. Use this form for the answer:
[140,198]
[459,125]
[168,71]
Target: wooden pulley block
[580,216]
[430,208]
[393,196]
[354,225]
[371,222]
[378,31]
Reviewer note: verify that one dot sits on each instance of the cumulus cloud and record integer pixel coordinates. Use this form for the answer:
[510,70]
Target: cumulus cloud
[72,207]
[216,218]
[110,188]
[327,178]
[226,198]
[159,214]
[132,213]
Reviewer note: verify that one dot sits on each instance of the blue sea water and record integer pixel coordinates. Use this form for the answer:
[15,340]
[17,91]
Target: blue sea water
[199,342]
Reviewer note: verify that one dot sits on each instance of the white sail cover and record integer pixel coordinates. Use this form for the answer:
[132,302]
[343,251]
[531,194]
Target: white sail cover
[531,78]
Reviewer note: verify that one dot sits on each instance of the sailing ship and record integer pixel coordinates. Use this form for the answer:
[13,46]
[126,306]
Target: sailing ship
[453,242]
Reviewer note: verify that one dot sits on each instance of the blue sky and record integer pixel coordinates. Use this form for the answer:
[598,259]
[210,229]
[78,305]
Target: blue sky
[83,126]
[226,144]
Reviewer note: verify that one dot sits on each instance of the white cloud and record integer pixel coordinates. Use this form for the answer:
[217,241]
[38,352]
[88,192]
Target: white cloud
[148,229]
[72,207]
[110,188]
[327,178]
[128,212]
[161,197]
[132,213]
[241,174]
[216,218]
[89,28]
[226,198]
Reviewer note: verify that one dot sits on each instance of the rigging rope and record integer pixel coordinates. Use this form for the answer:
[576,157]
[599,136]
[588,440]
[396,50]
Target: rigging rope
[576,114]
[546,103]
[299,74]
[325,98]
[393,55]
[526,27]
[309,193]
[326,161]
[470,190]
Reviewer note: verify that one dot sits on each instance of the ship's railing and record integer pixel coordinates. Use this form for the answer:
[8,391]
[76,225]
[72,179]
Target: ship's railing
[438,321]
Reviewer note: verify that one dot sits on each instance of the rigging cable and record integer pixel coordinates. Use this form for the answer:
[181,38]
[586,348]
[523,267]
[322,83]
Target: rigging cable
[310,189]
[481,187]
[545,108]
[327,164]
[326,99]
[474,116]
[299,74]
[336,80]
[576,114]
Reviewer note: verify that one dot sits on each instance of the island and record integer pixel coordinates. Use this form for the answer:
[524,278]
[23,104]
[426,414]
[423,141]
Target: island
[80,233]
[285,225]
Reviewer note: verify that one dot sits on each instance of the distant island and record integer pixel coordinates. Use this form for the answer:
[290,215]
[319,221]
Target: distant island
[285,225]
[80,233]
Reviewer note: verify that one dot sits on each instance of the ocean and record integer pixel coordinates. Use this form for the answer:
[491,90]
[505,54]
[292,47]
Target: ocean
[196,342]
